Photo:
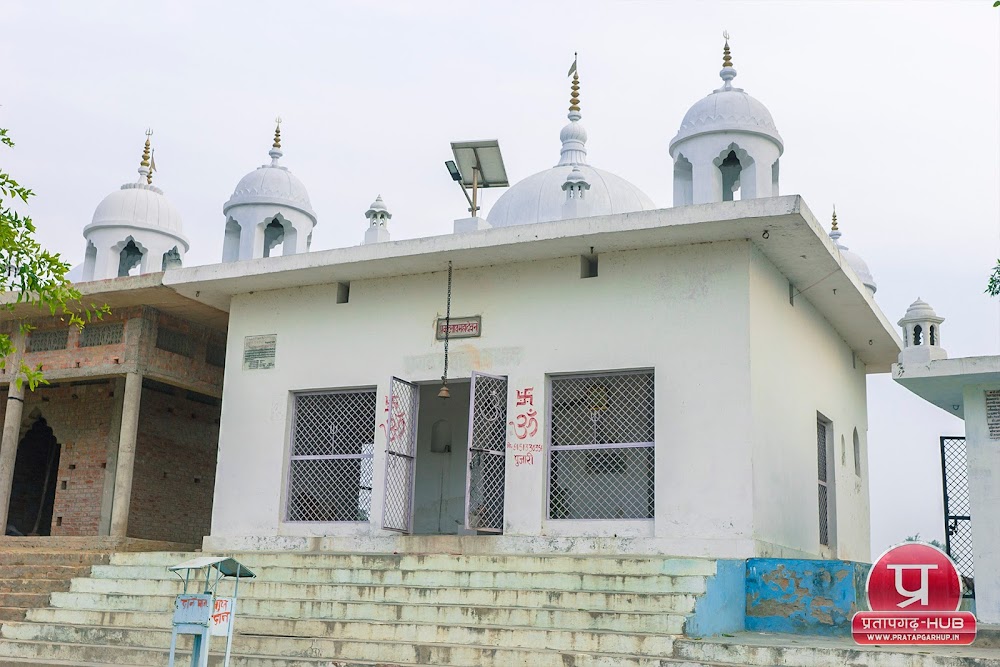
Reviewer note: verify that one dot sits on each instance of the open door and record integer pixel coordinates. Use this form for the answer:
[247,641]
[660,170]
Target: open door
[487,447]
[400,455]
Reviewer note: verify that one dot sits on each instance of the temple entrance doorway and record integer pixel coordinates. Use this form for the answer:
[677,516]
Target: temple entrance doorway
[36,473]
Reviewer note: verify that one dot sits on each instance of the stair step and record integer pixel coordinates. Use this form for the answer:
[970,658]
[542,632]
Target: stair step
[33,585]
[43,571]
[342,652]
[24,600]
[12,613]
[295,638]
[63,558]
[259,562]
[666,621]
[108,579]
[480,597]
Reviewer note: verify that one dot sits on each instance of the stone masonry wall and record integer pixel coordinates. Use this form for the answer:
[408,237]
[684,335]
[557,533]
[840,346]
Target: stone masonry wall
[174,466]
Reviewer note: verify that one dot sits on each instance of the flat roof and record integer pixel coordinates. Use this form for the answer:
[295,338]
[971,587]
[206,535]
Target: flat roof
[782,228]
[128,292]
[942,381]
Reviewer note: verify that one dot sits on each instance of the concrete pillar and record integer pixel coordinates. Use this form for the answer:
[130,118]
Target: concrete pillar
[126,455]
[111,465]
[8,446]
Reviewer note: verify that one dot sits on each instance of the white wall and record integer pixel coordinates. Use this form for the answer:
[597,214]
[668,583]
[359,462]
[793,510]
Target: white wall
[801,367]
[684,311]
[984,500]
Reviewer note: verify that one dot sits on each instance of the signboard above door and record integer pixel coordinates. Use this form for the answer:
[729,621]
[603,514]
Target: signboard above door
[461,327]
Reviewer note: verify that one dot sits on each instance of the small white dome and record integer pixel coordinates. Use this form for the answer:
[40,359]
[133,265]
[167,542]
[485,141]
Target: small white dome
[137,205]
[853,260]
[730,110]
[540,197]
[920,310]
[271,184]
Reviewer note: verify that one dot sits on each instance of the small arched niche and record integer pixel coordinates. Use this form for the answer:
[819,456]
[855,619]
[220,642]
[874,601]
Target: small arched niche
[89,261]
[683,182]
[130,259]
[172,259]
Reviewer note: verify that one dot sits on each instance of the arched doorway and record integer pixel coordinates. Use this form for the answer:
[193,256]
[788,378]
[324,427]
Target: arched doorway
[36,475]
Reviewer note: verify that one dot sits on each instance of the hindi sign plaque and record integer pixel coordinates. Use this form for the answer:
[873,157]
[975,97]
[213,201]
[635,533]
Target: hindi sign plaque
[259,352]
[993,414]
[460,327]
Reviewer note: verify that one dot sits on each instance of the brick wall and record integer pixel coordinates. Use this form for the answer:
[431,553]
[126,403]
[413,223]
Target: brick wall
[80,419]
[174,468]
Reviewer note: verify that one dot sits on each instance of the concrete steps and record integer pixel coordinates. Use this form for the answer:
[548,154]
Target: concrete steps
[28,577]
[387,609]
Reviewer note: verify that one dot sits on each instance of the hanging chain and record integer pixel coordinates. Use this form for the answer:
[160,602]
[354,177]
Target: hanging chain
[447,327]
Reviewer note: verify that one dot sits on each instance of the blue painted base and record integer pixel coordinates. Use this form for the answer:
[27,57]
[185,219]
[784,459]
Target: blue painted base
[815,597]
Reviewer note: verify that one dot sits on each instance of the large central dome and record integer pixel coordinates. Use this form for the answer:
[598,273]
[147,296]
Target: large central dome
[570,189]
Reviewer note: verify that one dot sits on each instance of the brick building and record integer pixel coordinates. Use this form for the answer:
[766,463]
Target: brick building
[122,441]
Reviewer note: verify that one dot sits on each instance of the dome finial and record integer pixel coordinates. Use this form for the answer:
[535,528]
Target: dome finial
[833,227]
[728,72]
[144,164]
[574,96]
[275,151]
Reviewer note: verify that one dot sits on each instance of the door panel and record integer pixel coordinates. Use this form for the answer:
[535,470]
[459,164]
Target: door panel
[484,488]
[400,456]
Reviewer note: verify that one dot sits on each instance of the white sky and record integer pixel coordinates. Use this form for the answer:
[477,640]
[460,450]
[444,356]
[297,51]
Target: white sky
[888,109]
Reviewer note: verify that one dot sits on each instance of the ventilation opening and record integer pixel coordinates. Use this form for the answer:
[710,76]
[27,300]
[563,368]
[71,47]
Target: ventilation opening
[129,260]
[588,266]
[933,336]
[274,239]
[172,259]
[791,294]
[918,335]
[343,292]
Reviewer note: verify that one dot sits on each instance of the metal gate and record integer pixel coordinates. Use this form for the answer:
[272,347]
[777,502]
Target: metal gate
[484,483]
[957,519]
[400,455]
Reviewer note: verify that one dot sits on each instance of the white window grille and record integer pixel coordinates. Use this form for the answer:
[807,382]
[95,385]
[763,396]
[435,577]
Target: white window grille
[601,446]
[823,472]
[330,466]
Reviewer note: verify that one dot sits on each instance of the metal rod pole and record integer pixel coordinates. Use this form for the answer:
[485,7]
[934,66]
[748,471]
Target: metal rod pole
[475,187]
[232,618]
[466,193]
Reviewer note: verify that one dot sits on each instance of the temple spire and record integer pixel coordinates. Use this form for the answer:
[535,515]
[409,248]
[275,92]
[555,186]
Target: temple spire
[144,164]
[275,151]
[573,136]
[728,72]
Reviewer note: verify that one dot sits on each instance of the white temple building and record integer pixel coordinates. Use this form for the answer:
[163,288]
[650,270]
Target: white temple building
[622,378]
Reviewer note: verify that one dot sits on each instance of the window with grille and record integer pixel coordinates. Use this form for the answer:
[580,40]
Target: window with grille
[601,449]
[823,473]
[174,341]
[330,466]
[46,341]
[102,334]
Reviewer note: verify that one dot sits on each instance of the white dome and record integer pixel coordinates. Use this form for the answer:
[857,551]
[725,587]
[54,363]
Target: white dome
[137,205]
[271,184]
[853,260]
[730,110]
[540,197]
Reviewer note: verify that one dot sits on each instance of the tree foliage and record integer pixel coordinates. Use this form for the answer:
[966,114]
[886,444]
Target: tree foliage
[32,274]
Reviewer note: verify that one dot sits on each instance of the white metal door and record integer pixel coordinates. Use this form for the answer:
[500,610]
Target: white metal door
[400,455]
[484,484]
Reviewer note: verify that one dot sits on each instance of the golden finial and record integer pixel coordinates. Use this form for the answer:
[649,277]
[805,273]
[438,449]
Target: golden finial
[574,98]
[152,166]
[145,151]
[277,133]
[727,58]
[833,228]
